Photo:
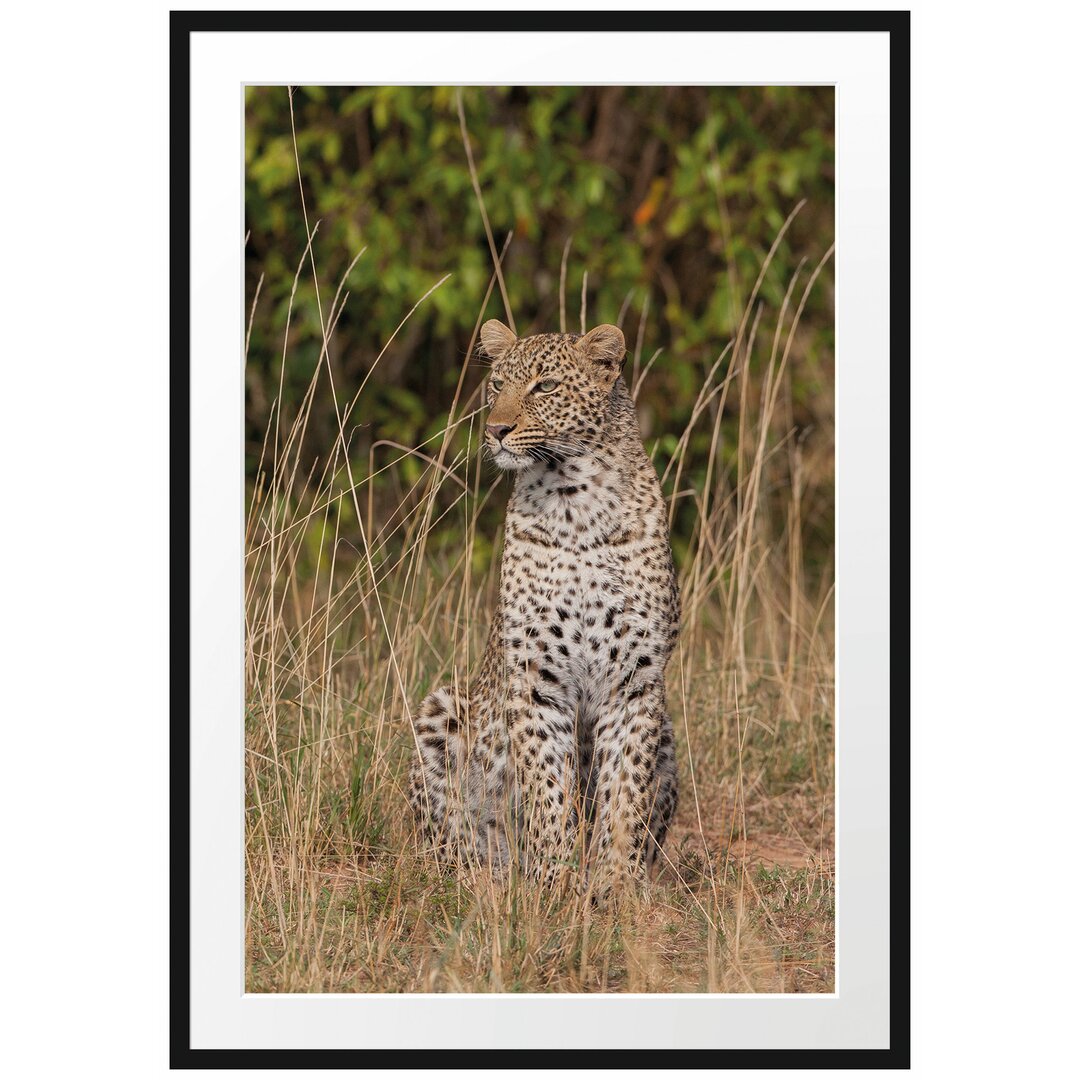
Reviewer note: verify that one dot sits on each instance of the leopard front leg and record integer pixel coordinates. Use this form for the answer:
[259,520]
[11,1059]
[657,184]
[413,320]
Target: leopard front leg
[636,790]
[543,743]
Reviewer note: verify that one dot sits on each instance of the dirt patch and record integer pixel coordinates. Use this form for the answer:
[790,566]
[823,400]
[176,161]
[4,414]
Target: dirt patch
[773,850]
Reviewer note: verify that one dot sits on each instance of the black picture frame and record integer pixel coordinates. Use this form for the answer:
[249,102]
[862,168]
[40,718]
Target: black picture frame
[894,23]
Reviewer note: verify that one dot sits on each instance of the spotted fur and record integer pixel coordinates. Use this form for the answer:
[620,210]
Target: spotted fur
[563,745]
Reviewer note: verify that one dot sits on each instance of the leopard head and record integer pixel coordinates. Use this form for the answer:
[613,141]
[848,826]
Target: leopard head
[548,393]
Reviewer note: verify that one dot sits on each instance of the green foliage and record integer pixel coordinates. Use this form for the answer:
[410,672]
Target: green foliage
[669,199]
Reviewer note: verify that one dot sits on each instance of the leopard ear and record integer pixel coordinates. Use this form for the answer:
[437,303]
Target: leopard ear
[497,338]
[605,346]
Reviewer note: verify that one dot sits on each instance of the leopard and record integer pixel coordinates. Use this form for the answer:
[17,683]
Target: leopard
[561,750]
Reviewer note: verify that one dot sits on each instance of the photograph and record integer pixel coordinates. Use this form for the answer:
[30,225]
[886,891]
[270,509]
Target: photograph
[540,539]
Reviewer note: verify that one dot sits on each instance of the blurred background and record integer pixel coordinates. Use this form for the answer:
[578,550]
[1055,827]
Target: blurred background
[668,198]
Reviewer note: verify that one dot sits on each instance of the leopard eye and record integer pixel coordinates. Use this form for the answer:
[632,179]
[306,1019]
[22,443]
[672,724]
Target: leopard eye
[546,386]
[496,385]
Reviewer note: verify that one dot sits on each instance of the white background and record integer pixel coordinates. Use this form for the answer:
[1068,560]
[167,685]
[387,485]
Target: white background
[85,541]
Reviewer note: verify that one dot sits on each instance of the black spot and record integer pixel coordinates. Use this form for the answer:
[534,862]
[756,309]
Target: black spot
[556,630]
[562,613]
[539,699]
[549,676]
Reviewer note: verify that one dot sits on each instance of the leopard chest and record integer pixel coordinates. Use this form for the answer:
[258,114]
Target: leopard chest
[576,615]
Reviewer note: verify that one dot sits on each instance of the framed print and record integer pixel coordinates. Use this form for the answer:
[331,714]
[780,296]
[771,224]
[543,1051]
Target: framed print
[539,476]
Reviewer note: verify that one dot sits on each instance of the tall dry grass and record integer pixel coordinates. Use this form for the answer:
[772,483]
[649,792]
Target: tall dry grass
[354,611]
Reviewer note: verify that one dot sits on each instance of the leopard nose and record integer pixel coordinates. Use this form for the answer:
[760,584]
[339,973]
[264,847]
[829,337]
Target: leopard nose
[498,431]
